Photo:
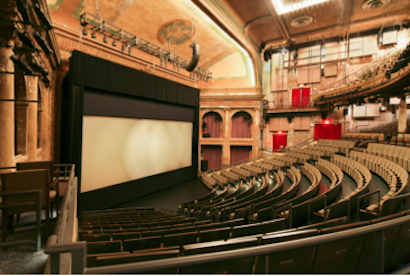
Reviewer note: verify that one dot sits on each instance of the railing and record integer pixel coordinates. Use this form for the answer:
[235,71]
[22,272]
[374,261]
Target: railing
[262,250]
[66,231]
[299,145]
[290,102]
[355,75]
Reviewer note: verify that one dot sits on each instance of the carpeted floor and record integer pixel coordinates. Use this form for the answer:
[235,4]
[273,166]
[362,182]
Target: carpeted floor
[24,259]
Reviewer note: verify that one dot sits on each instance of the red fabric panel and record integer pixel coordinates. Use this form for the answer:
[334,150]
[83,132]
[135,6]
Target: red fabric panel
[241,126]
[296,100]
[240,154]
[279,140]
[213,125]
[214,156]
[328,131]
[305,96]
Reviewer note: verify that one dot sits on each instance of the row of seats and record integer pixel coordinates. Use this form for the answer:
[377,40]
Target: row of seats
[333,172]
[326,150]
[343,146]
[298,157]
[394,175]
[397,154]
[208,180]
[255,171]
[220,180]
[230,176]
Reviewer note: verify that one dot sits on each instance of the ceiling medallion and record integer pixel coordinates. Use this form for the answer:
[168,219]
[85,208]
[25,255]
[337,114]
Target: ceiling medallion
[301,21]
[374,4]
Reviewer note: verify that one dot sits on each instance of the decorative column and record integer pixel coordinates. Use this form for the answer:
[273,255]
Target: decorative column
[402,125]
[226,151]
[32,95]
[7,10]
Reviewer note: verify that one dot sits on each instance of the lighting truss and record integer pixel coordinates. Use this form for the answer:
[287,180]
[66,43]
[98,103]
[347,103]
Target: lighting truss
[281,8]
[97,25]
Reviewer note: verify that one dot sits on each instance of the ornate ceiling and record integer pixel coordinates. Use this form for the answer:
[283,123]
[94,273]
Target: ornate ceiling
[258,21]
[160,21]
[231,32]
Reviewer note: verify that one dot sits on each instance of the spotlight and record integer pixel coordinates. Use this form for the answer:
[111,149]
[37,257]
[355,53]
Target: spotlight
[129,50]
[85,32]
[114,43]
[40,40]
[39,68]
[21,64]
[105,40]
[93,35]
[26,39]
[22,8]
[40,13]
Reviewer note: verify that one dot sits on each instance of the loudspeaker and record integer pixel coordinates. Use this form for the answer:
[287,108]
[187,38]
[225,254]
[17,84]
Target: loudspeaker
[194,59]
[204,165]
[206,135]
[323,115]
[322,72]
[345,112]
[203,125]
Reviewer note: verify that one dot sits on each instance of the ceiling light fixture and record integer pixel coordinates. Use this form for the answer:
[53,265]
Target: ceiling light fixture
[281,8]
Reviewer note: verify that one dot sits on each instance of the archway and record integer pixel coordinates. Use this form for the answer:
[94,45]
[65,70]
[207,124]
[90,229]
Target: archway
[212,125]
[241,125]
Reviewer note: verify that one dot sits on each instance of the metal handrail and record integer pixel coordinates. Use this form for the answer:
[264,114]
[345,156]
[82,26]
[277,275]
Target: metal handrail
[299,145]
[65,231]
[260,250]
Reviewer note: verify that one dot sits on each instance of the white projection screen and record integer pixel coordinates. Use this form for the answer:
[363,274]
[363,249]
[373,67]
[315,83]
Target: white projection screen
[117,150]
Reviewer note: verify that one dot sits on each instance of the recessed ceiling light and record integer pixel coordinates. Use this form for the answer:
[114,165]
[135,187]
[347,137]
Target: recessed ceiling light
[281,7]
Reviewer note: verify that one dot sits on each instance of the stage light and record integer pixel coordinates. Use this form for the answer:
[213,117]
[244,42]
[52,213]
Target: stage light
[40,40]
[38,68]
[326,122]
[40,13]
[105,40]
[22,8]
[21,64]
[26,39]
[129,50]
[114,43]
[279,132]
[123,48]
[93,35]
[85,32]
[281,8]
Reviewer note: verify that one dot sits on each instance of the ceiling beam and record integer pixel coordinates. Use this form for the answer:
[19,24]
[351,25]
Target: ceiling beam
[348,4]
[278,20]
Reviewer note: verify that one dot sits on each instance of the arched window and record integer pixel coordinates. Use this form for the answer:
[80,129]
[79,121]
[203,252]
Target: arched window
[39,116]
[20,113]
[212,125]
[241,125]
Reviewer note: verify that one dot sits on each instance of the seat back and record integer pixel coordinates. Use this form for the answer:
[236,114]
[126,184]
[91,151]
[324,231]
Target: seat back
[25,180]
[104,247]
[37,165]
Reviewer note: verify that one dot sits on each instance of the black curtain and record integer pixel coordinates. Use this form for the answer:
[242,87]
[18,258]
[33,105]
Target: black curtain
[88,73]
